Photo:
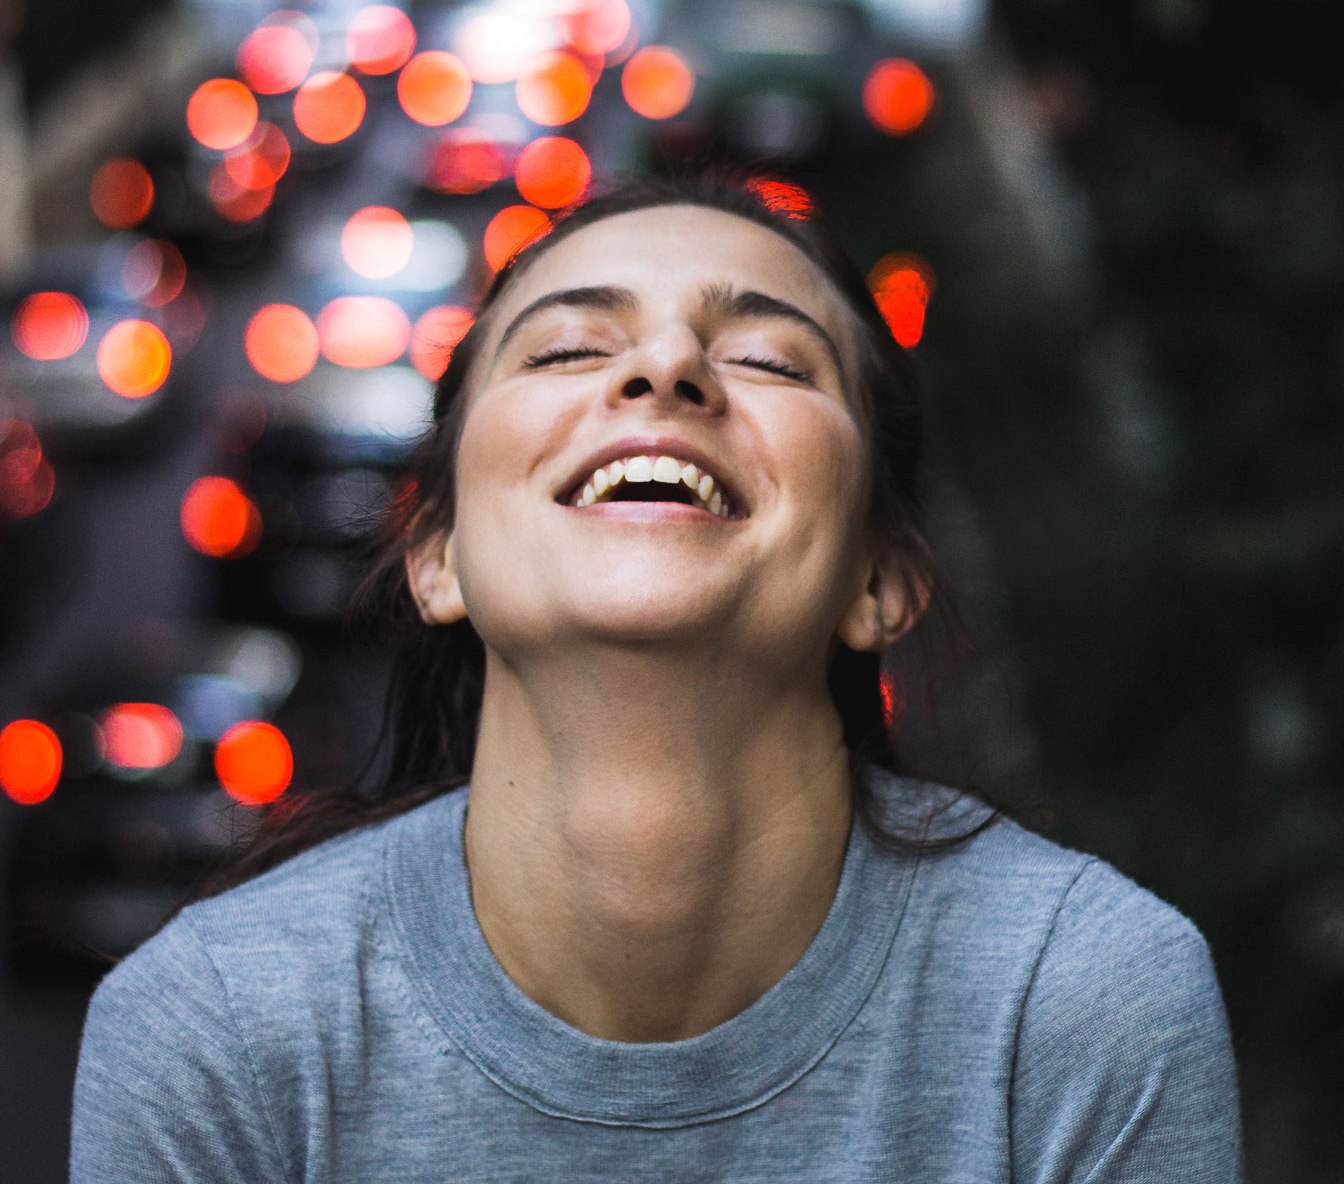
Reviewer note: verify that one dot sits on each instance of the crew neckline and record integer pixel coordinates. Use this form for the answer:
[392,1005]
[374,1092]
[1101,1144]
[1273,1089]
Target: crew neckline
[559,1070]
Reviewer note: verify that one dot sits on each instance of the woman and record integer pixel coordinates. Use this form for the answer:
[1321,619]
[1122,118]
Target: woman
[687,923]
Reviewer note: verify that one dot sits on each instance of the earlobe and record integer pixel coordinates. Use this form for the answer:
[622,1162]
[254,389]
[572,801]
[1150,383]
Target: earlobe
[431,571]
[886,609]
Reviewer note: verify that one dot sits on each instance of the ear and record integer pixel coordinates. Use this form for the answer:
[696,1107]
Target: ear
[887,608]
[431,570]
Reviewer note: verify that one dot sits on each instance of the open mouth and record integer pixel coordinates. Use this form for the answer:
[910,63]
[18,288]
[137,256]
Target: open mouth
[654,479]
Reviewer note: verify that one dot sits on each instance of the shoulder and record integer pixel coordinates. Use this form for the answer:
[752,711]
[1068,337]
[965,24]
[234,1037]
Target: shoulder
[1094,927]
[1002,881]
[1118,1059]
[295,925]
[1124,1059]
[1077,949]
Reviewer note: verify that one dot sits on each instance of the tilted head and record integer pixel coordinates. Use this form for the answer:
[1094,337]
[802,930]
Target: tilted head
[858,395]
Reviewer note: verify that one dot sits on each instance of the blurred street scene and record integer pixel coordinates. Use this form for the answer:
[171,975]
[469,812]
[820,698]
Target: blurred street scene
[240,239]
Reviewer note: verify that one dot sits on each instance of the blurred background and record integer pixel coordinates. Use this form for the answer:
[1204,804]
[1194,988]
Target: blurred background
[237,241]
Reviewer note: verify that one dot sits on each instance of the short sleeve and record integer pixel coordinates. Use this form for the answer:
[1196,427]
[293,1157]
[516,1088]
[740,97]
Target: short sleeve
[165,1089]
[1124,1071]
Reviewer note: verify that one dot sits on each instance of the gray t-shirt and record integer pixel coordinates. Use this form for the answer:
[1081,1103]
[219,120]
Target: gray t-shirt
[1004,1011]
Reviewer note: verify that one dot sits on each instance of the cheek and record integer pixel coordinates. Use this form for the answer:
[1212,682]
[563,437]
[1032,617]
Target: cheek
[827,461]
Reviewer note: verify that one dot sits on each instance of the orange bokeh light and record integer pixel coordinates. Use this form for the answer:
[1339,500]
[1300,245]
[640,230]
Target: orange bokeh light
[464,161]
[277,55]
[221,113]
[362,331]
[254,763]
[281,343]
[140,735]
[121,192]
[434,88]
[510,230]
[897,96]
[134,358]
[657,83]
[599,27]
[553,171]
[219,519]
[30,761]
[902,285]
[49,325]
[555,88]
[377,242]
[153,272]
[436,335]
[261,160]
[379,39]
[329,107]
[236,202]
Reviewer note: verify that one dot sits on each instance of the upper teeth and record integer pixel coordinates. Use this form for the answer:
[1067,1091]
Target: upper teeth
[604,482]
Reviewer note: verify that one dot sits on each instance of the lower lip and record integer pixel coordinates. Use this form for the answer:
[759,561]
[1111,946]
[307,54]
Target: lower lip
[648,512]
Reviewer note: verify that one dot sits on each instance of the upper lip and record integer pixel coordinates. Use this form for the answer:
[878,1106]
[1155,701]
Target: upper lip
[652,445]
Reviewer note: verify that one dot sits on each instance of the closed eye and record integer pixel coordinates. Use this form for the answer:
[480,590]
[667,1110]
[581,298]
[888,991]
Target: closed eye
[773,366]
[548,357]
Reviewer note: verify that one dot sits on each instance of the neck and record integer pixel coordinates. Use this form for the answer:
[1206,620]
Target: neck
[652,842]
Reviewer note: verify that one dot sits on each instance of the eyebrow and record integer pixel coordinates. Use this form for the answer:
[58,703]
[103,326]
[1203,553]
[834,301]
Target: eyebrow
[605,298]
[719,299]
[727,301]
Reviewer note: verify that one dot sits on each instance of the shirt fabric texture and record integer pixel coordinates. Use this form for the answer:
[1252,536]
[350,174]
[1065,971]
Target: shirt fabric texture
[1006,1010]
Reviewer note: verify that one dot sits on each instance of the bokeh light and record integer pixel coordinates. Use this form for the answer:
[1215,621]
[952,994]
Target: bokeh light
[219,519]
[377,242]
[27,481]
[552,171]
[902,285]
[253,762]
[897,96]
[221,113]
[49,325]
[379,39]
[657,83]
[121,193]
[233,201]
[464,161]
[30,761]
[362,331]
[281,343]
[329,107]
[153,272]
[20,449]
[261,160]
[140,735]
[599,27]
[184,320]
[783,197]
[434,88]
[496,43]
[435,336]
[277,55]
[510,230]
[555,88]
[134,358]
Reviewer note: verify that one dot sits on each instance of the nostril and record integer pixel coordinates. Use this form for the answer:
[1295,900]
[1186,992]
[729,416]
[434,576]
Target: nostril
[691,393]
[636,387]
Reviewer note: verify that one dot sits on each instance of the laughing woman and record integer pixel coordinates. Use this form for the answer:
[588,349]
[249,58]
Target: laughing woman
[645,895]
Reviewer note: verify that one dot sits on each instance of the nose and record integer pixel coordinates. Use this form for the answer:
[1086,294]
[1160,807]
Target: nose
[669,365]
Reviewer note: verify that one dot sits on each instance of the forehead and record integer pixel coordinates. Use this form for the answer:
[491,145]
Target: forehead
[672,254]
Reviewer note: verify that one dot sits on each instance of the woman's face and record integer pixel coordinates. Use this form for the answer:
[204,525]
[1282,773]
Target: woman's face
[659,445]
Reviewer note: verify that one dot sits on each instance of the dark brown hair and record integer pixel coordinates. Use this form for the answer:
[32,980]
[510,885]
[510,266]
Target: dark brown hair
[438,673]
